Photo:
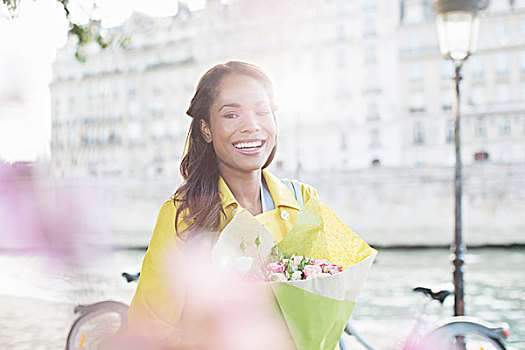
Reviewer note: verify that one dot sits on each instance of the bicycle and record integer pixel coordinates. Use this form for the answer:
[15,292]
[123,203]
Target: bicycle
[100,321]
[455,333]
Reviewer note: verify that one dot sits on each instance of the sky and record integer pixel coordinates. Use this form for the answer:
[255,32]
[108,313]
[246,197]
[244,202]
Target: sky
[28,47]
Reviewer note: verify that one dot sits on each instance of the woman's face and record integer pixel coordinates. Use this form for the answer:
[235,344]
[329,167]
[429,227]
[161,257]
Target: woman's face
[242,125]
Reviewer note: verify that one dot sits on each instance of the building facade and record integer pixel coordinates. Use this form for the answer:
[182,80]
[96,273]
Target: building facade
[359,84]
[492,89]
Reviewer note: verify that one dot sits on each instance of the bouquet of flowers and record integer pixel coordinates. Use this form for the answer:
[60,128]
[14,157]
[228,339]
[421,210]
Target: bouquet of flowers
[316,271]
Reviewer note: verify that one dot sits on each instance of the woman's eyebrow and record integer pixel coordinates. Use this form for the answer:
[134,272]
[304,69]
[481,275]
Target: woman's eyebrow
[229,105]
[237,105]
[262,103]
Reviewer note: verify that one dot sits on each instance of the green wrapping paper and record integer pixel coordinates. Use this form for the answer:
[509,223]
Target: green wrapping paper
[316,310]
[315,322]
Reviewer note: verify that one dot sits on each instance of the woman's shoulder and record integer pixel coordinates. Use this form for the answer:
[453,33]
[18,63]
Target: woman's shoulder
[168,212]
[168,208]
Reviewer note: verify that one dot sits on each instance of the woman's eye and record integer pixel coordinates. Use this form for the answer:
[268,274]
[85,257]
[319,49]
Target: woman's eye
[263,113]
[230,115]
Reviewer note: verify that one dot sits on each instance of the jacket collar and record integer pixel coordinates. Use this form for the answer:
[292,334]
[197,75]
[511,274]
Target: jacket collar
[281,194]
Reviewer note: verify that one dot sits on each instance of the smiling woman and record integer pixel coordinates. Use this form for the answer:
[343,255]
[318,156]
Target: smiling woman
[232,111]
[231,140]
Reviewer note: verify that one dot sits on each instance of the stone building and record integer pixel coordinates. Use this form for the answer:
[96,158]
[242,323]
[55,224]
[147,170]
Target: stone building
[493,89]
[359,83]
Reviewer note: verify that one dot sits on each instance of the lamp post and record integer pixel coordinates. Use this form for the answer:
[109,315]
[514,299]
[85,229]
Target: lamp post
[457,27]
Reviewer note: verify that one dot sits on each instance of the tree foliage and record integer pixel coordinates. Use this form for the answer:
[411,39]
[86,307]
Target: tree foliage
[91,31]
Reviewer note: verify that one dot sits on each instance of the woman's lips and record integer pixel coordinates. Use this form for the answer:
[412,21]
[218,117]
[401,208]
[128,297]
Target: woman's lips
[250,146]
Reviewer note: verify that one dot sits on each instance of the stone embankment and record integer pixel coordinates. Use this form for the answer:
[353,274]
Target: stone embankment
[388,207]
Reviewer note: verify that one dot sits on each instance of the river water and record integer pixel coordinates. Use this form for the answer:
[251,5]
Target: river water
[37,294]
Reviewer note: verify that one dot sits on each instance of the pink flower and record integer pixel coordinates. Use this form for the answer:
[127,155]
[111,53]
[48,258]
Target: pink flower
[333,269]
[321,262]
[276,267]
[311,271]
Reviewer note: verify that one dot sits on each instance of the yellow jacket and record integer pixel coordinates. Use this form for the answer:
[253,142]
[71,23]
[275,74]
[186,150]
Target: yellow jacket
[157,305]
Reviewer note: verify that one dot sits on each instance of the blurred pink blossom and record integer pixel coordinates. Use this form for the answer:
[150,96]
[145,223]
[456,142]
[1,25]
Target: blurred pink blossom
[38,216]
[220,311]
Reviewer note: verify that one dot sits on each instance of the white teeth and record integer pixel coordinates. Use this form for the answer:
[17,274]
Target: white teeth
[248,144]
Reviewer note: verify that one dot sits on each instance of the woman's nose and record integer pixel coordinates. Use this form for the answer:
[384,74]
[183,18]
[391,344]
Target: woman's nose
[250,122]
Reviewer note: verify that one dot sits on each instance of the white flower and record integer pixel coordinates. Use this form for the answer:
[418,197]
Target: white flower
[243,264]
[312,271]
[280,277]
[297,275]
[297,260]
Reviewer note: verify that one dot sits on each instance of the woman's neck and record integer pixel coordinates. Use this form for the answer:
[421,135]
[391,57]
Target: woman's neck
[245,187]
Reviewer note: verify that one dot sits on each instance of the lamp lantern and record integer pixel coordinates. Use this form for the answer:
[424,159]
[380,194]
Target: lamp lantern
[457,24]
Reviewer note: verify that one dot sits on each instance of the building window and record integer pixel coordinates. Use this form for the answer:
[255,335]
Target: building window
[499,6]
[502,92]
[504,126]
[418,133]
[501,63]
[372,112]
[134,109]
[478,95]
[449,131]
[341,59]
[416,72]
[481,156]
[342,7]
[369,5]
[414,44]
[417,103]
[369,29]
[341,32]
[447,99]
[370,55]
[522,22]
[134,131]
[372,84]
[522,60]
[343,141]
[500,30]
[158,130]
[479,128]
[374,139]
[428,11]
[413,11]
[447,69]
[132,87]
[476,66]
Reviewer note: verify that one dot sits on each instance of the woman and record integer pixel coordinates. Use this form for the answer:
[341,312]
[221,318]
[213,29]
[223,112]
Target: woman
[231,140]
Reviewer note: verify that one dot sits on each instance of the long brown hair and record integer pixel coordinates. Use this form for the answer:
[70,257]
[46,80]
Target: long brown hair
[198,199]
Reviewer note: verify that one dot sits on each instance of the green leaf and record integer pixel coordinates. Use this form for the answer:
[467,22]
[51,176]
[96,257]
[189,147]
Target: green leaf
[243,246]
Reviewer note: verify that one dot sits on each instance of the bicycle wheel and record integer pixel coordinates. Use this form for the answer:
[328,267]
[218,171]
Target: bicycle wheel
[461,336]
[97,324]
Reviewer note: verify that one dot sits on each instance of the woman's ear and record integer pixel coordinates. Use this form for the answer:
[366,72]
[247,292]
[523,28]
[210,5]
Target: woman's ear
[205,131]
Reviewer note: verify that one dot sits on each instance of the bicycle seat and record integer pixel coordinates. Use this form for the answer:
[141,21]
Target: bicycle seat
[131,277]
[439,296]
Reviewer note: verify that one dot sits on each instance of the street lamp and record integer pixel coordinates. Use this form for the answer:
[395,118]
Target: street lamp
[457,27]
